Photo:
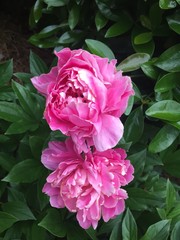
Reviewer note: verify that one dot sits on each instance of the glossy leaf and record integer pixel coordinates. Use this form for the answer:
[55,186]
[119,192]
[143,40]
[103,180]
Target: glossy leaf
[133,62]
[100,21]
[169,60]
[116,231]
[48,31]
[106,11]
[74,16]
[166,110]
[167,4]
[70,37]
[19,210]
[138,161]
[120,27]
[26,99]
[140,200]
[159,230]
[174,22]
[176,232]
[21,126]
[6,71]
[167,82]
[172,166]
[163,139]
[129,227]
[11,112]
[143,38]
[171,196]
[155,10]
[26,171]
[7,220]
[142,48]
[99,48]
[56,3]
[134,125]
[37,10]
[37,65]
[150,70]
[53,222]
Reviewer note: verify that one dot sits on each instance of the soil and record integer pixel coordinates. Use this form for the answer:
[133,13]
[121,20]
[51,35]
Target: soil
[14,34]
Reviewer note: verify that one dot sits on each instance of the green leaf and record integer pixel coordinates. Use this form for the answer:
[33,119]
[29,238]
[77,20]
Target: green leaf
[36,232]
[99,48]
[73,18]
[150,70]
[7,221]
[167,82]
[142,38]
[163,139]
[174,22]
[106,11]
[159,230]
[37,65]
[175,212]
[53,223]
[134,125]
[100,21]
[176,232]
[147,47]
[129,227]
[36,144]
[37,10]
[116,231]
[6,94]
[19,210]
[120,27]
[25,77]
[155,10]
[170,196]
[166,110]
[140,200]
[21,126]
[169,60]
[11,112]
[6,71]
[133,62]
[92,233]
[130,105]
[26,171]
[167,4]
[26,100]
[70,37]
[7,161]
[138,161]
[75,232]
[171,165]
[56,3]
[48,31]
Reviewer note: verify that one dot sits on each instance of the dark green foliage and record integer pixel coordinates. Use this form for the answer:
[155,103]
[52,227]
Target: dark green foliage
[143,37]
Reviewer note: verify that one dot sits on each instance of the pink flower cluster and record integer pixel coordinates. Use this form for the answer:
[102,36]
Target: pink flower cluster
[90,184]
[85,96]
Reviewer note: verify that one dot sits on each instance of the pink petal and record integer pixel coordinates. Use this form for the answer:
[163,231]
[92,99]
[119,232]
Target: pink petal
[42,82]
[110,133]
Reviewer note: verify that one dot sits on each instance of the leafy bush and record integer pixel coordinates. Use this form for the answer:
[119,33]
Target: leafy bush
[143,36]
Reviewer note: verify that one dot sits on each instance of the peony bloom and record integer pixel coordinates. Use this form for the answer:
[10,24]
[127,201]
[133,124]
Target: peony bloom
[90,184]
[85,96]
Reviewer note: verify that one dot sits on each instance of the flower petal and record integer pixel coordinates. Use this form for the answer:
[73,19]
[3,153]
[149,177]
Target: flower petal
[110,133]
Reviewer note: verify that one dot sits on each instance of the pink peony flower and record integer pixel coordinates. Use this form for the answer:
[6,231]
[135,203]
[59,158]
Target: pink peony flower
[90,184]
[85,96]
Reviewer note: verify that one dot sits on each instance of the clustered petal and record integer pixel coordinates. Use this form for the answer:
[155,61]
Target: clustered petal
[84,93]
[89,185]
[85,98]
